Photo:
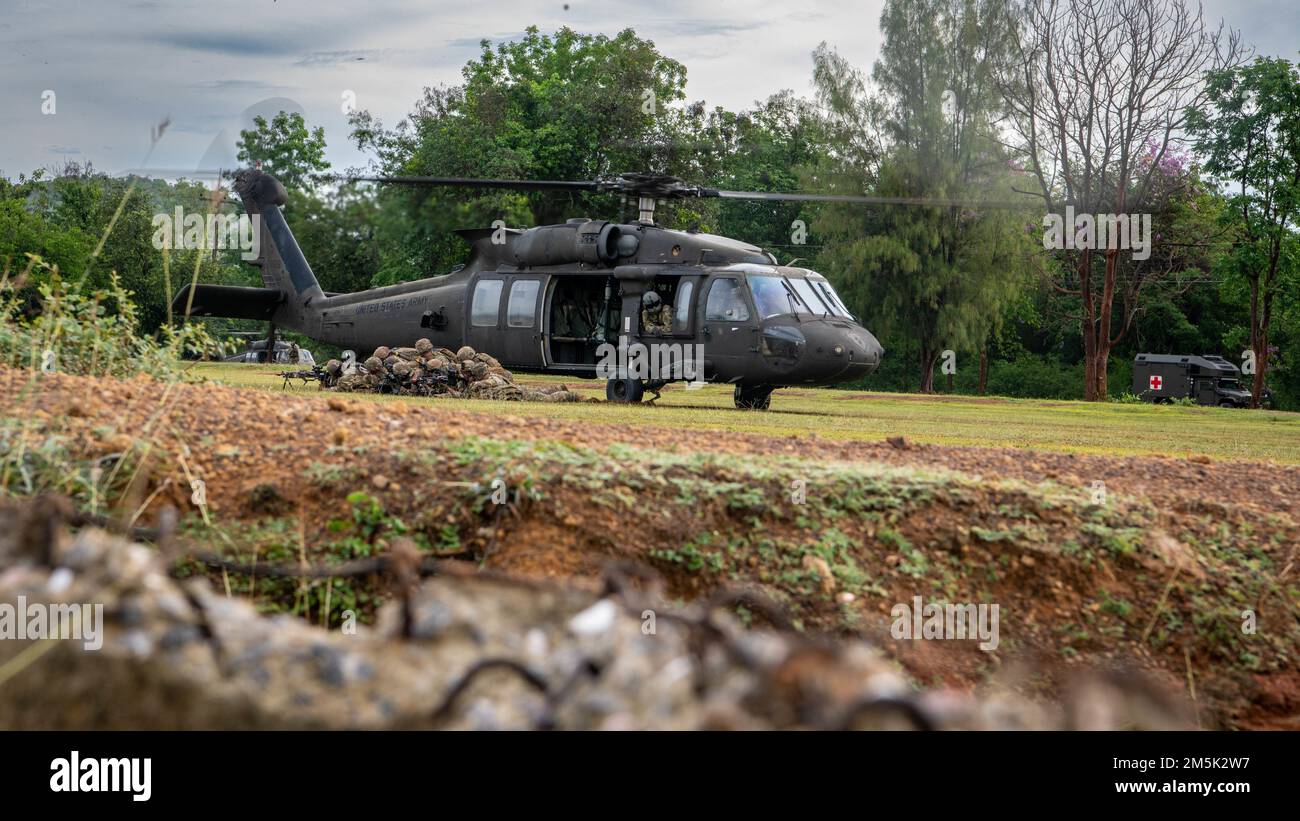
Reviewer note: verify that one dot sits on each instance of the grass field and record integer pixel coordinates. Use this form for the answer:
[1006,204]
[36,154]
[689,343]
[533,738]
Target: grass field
[1081,427]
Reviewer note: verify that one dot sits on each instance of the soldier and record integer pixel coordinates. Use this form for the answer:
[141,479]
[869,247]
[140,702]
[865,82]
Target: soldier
[560,393]
[333,372]
[656,316]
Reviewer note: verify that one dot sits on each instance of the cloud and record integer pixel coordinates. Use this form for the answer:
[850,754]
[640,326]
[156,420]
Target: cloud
[321,58]
[475,42]
[120,68]
[237,85]
[237,44]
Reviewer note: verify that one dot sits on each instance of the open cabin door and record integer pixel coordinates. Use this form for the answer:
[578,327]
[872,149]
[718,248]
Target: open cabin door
[582,313]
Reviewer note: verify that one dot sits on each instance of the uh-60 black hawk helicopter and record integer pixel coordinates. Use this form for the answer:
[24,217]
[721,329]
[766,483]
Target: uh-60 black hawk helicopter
[637,304]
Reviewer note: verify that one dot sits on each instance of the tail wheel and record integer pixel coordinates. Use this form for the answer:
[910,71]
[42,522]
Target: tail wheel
[627,391]
[757,397]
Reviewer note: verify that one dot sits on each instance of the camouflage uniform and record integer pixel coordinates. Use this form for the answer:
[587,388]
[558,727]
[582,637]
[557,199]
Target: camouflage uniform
[359,381]
[423,370]
[333,371]
[658,320]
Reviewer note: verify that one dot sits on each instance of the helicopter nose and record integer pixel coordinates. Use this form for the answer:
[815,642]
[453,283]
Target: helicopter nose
[872,351]
[862,350]
[844,352]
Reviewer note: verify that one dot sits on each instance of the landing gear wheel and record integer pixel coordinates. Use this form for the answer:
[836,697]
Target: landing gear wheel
[757,397]
[627,391]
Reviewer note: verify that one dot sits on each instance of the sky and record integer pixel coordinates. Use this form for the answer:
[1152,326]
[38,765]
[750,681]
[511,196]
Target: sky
[86,81]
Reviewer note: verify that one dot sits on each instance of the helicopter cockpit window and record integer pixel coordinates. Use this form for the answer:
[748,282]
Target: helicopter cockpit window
[486,306]
[810,297]
[771,296]
[832,298]
[682,310]
[523,303]
[726,302]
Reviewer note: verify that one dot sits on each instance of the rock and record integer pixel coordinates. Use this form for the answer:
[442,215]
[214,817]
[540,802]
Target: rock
[181,655]
[823,570]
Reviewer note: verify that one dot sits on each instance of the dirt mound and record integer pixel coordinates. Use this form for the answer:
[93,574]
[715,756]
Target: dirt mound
[1145,574]
[459,651]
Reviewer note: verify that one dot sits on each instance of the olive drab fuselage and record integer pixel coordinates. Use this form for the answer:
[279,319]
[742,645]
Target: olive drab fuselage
[557,298]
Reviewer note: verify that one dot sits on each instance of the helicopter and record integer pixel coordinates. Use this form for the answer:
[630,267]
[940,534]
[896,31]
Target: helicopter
[637,304]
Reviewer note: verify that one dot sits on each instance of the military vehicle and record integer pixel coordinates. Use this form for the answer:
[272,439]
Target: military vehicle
[284,353]
[1207,380]
[569,298]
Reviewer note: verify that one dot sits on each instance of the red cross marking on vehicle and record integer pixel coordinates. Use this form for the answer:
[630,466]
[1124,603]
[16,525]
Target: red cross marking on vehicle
[1156,382]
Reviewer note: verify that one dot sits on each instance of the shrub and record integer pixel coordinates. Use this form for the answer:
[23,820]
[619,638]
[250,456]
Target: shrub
[86,333]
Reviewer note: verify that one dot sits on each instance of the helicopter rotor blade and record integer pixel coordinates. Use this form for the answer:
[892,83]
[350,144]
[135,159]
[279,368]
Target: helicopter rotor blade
[659,186]
[467,182]
[934,202]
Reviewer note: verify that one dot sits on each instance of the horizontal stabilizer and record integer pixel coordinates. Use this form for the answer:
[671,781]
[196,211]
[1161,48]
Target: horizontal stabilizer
[233,301]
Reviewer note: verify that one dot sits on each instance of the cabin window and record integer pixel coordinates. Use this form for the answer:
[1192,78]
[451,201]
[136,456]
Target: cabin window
[486,306]
[682,313]
[726,302]
[523,303]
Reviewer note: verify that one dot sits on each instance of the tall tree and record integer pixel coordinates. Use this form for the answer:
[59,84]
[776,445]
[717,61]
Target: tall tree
[942,273]
[1093,87]
[562,106]
[769,148]
[1248,131]
[286,148]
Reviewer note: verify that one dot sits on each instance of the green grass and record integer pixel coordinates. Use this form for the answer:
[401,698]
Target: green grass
[1079,427]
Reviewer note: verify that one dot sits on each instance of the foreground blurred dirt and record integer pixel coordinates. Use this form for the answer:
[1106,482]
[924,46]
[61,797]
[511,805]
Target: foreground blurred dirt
[471,652]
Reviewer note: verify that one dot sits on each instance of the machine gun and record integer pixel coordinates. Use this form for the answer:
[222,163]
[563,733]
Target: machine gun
[317,373]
